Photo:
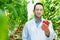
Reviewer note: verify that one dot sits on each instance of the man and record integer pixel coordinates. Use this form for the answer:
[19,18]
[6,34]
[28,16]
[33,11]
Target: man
[38,28]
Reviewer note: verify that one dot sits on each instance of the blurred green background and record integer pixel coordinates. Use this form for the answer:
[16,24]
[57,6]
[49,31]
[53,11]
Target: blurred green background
[13,15]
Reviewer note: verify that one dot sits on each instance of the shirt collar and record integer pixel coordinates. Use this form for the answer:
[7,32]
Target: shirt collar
[38,21]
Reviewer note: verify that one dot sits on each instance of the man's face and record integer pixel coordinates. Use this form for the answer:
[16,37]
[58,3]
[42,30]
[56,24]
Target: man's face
[38,11]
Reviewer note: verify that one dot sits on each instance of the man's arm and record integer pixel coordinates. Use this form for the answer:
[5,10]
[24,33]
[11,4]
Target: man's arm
[25,33]
[51,37]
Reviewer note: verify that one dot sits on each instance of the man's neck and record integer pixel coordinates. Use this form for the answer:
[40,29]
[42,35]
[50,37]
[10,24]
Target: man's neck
[38,18]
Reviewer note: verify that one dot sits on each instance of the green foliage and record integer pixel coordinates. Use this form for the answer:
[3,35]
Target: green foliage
[17,10]
[3,26]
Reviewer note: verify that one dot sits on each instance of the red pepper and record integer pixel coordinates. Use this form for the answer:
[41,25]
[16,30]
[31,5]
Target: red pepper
[45,25]
[46,22]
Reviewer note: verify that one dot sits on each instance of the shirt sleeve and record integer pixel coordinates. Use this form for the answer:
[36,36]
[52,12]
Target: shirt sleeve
[25,33]
[52,33]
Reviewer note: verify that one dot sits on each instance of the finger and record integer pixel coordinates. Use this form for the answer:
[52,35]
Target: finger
[45,25]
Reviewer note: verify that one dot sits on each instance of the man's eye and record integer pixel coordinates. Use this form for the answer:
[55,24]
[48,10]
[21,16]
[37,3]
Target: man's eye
[41,9]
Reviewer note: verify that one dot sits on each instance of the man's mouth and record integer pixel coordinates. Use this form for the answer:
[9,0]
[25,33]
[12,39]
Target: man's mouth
[39,14]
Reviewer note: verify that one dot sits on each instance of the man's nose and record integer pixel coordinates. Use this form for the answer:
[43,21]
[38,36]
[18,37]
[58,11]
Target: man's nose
[39,11]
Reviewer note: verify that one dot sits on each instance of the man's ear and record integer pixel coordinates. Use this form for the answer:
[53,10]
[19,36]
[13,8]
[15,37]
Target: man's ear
[43,11]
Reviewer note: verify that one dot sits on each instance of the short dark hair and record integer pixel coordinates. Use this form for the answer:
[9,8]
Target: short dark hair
[38,4]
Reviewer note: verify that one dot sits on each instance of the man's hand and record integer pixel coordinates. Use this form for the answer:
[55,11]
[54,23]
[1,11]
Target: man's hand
[45,29]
